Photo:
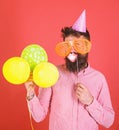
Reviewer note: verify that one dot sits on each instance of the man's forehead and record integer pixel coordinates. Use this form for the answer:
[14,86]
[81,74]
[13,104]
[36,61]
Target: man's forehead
[74,38]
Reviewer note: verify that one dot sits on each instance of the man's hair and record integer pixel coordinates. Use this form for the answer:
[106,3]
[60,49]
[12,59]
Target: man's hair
[66,31]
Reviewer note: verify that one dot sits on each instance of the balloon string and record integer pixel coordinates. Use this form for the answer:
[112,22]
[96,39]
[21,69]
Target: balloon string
[31,122]
[30,118]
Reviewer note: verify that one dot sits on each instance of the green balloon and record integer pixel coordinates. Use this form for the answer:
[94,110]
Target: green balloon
[34,54]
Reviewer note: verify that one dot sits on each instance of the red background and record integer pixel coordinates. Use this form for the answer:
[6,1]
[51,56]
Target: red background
[23,22]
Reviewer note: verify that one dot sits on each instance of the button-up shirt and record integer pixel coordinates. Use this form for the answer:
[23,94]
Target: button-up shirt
[66,111]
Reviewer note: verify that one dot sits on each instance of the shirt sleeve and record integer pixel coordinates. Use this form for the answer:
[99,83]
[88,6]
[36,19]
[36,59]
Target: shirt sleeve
[101,109]
[38,106]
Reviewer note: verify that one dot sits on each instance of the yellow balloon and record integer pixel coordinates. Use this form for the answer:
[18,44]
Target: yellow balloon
[45,74]
[16,70]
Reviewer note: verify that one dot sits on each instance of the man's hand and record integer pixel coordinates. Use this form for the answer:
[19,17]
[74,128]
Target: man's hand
[30,88]
[83,94]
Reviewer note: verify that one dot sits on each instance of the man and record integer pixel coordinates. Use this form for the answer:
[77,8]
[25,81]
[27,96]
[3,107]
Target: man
[80,100]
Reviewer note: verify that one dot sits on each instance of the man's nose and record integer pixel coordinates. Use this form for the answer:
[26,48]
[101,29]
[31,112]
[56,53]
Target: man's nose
[73,50]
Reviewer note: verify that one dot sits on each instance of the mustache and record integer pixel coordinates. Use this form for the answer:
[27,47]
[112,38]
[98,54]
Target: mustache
[73,52]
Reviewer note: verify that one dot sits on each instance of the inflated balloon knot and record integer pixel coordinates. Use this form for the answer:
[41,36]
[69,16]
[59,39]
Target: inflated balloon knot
[30,77]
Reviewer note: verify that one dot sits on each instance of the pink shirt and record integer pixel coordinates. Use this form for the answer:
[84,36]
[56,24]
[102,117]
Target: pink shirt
[66,112]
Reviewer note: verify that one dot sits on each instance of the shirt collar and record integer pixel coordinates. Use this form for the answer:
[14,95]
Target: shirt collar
[85,70]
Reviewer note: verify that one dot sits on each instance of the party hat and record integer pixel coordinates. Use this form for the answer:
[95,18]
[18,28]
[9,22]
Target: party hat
[80,24]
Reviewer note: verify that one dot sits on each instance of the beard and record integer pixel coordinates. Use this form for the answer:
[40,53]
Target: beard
[80,63]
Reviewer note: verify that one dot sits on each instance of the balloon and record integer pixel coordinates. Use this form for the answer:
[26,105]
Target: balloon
[45,74]
[34,54]
[16,70]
